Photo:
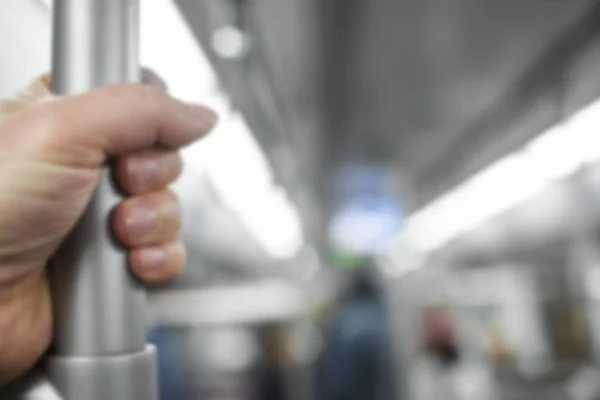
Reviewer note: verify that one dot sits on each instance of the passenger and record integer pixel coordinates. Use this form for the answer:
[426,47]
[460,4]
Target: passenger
[440,336]
[356,363]
[52,151]
[172,380]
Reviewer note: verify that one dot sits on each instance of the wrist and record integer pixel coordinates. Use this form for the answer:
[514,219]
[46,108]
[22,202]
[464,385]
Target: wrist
[25,323]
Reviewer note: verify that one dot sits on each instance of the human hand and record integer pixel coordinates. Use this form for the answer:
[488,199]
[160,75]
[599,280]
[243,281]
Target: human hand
[52,151]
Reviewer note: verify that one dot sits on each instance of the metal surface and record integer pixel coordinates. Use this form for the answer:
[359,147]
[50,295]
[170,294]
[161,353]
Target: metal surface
[259,302]
[99,308]
[123,377]
[99,350]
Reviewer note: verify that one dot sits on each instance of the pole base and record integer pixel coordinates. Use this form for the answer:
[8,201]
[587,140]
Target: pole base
[124,377]
[33,386]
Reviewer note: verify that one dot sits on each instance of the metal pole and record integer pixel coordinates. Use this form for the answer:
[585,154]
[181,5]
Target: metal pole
[100,349]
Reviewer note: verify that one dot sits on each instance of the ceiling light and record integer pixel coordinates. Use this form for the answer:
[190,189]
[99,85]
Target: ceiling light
[229,42]
[554,155]
[230,156]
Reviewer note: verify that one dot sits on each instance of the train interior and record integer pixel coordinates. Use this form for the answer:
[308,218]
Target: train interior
[445,152]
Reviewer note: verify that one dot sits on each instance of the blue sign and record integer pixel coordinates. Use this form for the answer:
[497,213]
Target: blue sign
[362,181]
[368,215]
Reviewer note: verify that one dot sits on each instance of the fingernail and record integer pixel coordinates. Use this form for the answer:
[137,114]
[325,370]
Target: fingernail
[143,172]
[151,78]
[152,259]
[208,117]
[141,220]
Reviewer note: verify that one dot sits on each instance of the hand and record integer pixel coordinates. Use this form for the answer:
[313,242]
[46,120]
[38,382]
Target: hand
[51,155]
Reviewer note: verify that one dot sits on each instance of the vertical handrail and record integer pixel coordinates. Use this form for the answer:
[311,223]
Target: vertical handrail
[98,306]
[100,349]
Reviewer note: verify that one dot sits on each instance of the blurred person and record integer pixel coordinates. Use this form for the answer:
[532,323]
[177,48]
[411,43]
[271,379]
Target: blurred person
[356,362]
[441,340]
[446,369]
[172,382]
[52,152]
[270,369]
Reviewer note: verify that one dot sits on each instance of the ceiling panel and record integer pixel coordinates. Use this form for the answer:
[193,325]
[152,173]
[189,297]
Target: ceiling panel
[436,88]
[421,72]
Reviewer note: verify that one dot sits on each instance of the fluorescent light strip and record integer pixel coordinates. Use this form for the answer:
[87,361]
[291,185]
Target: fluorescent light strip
[242,178]
[552,156]
[260,301]
[230,156]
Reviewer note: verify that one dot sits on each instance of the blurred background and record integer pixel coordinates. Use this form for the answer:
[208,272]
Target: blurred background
[401,199]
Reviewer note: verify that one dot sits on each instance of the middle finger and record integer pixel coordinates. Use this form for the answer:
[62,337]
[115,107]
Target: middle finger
[148,219]
[147,171]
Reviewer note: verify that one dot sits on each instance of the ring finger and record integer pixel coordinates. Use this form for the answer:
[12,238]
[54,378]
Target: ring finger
[149,219]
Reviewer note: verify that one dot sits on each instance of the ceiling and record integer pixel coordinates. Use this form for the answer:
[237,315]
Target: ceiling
[435,88]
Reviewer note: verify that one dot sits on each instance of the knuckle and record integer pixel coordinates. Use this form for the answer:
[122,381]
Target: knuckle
[172,197]
[150,96]
[150,77]
[153,102]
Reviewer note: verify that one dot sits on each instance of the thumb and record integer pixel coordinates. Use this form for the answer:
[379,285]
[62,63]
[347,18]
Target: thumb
[117,120]
[39,89]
